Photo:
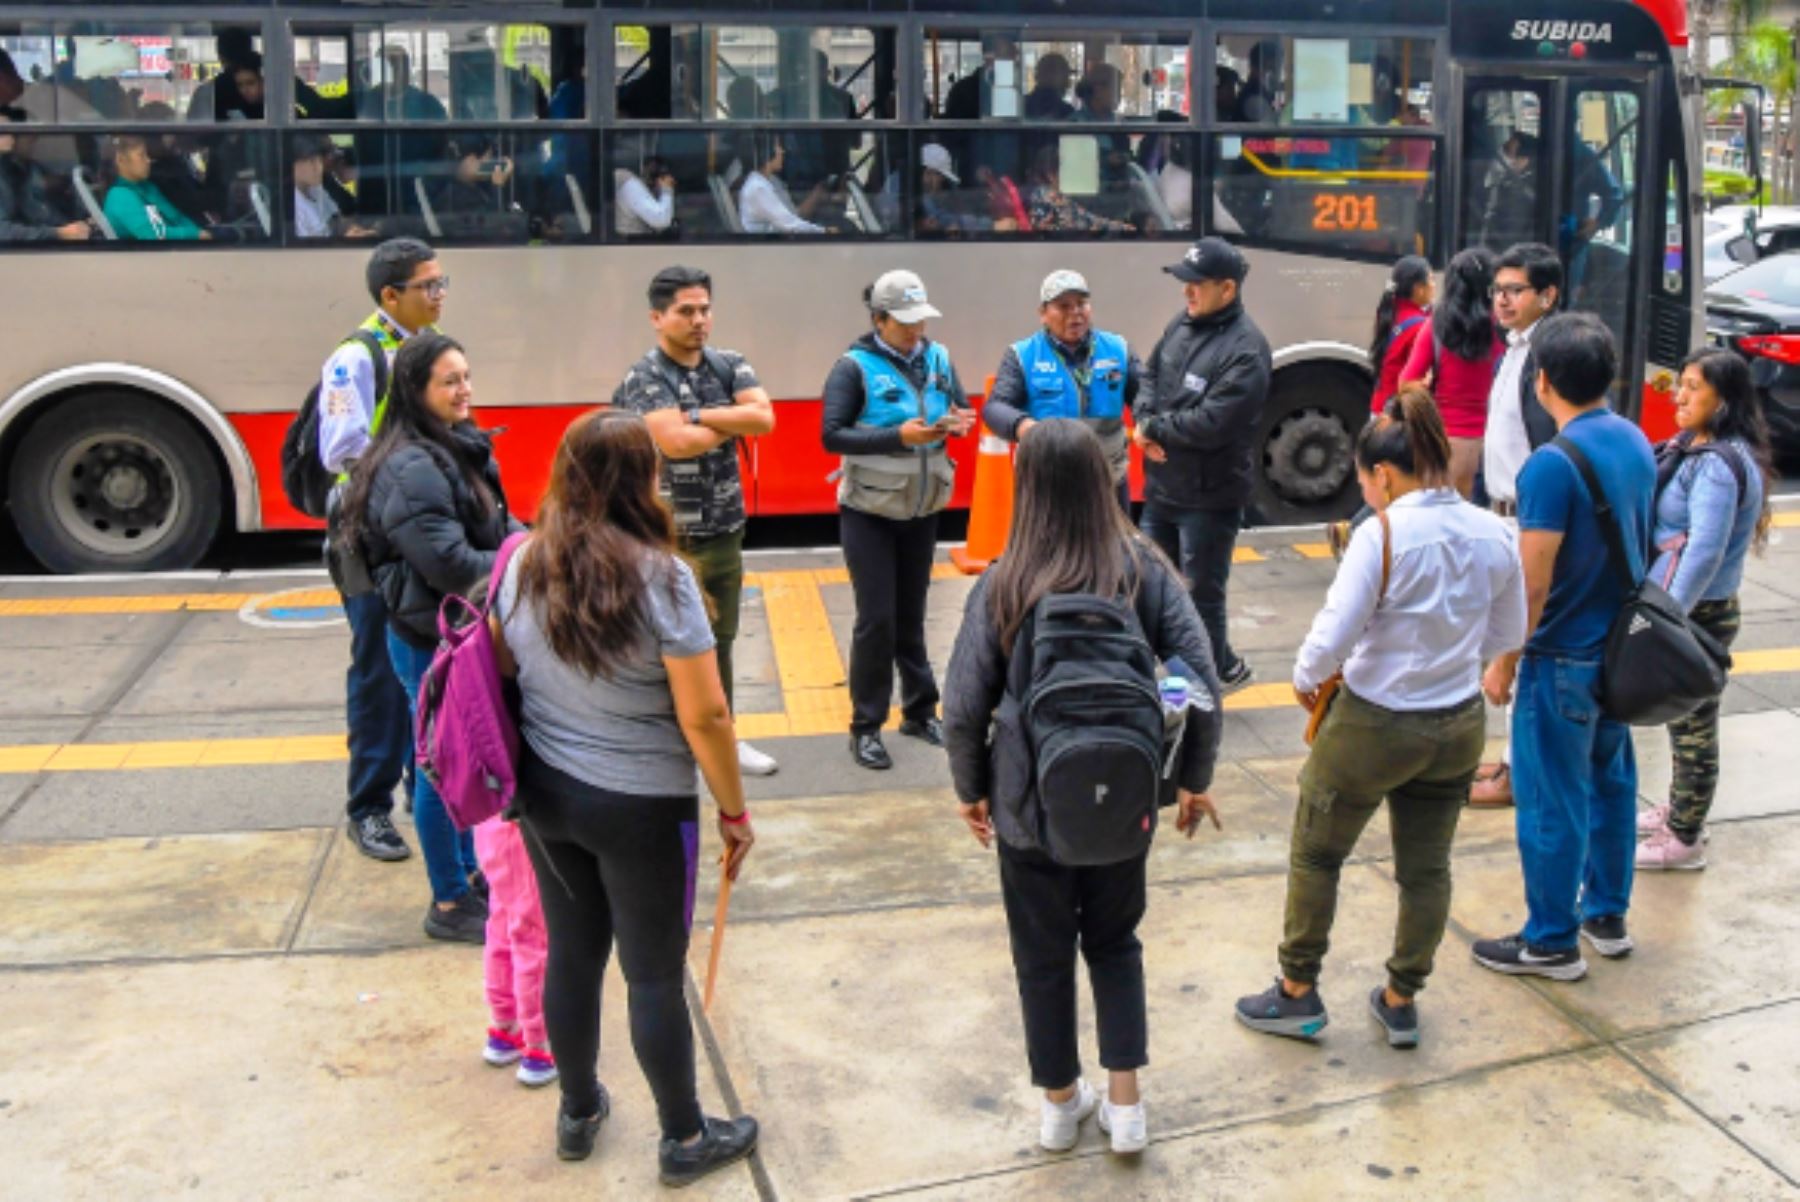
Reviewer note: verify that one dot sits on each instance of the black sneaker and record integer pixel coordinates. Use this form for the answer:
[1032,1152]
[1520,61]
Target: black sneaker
[1514,956]
[575,1136]
[1401,1022]
[1236,676]
[870,752]
[375,836]
[464,922]
[721,1142]
[1273,1012]
[1608,936]
[926,730]
[478,885]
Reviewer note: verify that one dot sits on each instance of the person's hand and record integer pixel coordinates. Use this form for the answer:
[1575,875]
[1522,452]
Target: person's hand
[915,433]
[665,183]
[502,173]
[979,824]
[1190,808]
[1005,225]
[75,231]
[960,421]
[1152,451]
[1023,428]
[206,235]
[1497,681]
[738,838]
[1308,701]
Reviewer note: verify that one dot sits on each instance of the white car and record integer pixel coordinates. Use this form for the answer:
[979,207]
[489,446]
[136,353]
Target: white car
[1728,246]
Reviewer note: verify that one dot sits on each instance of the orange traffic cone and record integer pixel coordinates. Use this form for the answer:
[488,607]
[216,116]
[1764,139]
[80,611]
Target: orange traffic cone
[990,510]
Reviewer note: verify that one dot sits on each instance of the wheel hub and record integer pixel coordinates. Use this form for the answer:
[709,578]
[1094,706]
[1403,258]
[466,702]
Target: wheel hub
[1307,457]
[115,492]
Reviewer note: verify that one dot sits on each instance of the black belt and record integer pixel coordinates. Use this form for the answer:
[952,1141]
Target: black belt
[1505,509]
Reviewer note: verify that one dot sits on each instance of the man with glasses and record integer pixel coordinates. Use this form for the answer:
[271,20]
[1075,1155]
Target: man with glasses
[1527,286]
[1068,369]
[408,286]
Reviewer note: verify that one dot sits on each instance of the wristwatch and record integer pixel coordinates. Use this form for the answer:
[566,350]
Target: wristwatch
[693,416]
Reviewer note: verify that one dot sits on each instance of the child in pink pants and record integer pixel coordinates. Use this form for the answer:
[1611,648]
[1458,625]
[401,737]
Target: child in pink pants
[514,959]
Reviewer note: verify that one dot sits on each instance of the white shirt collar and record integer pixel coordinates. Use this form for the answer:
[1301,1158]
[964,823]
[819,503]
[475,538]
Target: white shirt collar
[1522,337]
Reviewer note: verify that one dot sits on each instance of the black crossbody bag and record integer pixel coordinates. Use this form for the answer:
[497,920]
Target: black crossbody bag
[1658,666]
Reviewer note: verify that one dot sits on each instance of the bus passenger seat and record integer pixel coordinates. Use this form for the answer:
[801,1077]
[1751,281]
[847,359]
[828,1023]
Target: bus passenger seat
[584,216]
[425,210]
[259,203]
[90,200]
[860,206]
[722,200]
[1149,197]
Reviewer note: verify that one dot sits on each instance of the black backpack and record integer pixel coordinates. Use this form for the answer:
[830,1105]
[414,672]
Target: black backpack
[1658,666]
[303,475]
[1083,678]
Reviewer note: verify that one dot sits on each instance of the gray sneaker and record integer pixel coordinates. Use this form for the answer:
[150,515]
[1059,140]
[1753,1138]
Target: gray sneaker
[1400,1022]
[375,836]
[1273,1012]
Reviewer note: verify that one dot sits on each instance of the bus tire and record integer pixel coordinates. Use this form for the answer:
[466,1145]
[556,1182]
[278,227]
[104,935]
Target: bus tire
[1305,444]
[115,482]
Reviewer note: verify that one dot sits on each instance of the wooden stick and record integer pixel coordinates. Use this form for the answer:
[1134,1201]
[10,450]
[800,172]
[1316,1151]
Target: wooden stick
[718,935]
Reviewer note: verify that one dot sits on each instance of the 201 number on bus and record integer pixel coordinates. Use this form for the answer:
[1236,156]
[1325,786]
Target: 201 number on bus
[1344,213]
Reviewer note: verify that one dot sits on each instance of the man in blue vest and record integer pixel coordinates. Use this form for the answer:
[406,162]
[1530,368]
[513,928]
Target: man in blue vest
[1068,369]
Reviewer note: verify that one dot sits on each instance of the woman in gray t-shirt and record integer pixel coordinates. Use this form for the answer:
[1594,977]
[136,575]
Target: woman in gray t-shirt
[606,632]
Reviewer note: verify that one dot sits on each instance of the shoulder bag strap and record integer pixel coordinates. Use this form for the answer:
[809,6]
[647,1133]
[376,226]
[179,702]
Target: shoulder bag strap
[726,376]
[1603,512]
[377,359]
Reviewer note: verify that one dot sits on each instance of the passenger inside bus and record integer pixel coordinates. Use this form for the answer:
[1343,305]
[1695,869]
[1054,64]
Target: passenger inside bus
[177,166]
[940,211]
[135,207]
[1508,195]
[31,209]
[763,202]
[1047,100]
[316,211]
[1260,101]
[643,194]
[1051,211]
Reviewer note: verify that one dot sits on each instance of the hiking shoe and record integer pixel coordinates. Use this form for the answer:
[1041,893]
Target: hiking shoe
[503,1048]
[1512,955]
[752,762]
[1665,852]
[1401,1022]
[537,1068]
[464,922]
[926,730]
[1060,1124]
[1236,676]
[575,1136]
[1129,1127]
[721,1142]
[375,836]
[1273,1012]
[1608,936]
[869,751]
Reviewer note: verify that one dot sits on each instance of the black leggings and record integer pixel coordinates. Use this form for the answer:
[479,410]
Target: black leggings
[615,865]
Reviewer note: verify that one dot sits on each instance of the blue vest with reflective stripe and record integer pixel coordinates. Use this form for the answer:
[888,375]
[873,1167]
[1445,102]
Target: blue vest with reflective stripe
[889,399]
[1051,388]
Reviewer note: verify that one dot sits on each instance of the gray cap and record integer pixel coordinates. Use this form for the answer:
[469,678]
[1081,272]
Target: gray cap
[901,295]
[1062,281]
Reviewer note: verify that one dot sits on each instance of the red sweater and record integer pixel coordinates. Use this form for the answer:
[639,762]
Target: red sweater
[1461,386]
[1399,347]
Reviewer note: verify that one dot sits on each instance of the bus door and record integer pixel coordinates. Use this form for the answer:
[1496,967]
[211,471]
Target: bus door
[1561,161]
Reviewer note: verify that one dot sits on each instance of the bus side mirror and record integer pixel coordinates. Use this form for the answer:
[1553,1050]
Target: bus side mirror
[1752,112]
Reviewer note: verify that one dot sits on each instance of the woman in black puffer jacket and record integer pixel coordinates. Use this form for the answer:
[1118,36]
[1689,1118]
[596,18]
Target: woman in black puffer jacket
[425,505]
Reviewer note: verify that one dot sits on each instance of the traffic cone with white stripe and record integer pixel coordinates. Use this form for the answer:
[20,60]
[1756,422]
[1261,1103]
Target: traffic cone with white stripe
[990,509]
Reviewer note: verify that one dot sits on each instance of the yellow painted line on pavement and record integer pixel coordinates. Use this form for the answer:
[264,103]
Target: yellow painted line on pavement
[1313,550]
[1757,663]
[1787,520]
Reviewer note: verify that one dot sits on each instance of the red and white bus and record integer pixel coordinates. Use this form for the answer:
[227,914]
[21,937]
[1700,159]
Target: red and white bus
[145,385]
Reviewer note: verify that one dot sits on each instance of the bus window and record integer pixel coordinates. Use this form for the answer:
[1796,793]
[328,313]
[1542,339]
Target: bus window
[163,183]
[1504,166]
[1337,195]
[437,71]
[1596,217]
[107,71]
[753,73]
[1271,79]
[1045,76]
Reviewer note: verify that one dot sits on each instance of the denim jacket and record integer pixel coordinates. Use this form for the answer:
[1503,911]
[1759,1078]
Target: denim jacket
[1704,527]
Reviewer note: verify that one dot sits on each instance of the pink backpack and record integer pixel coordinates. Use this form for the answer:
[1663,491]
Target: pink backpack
[466,734]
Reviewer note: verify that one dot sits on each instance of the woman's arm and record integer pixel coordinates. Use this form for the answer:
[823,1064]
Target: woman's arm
[705,720]
[420,521]
[973,685]
[1712,512]
[657,212]
[1418,359]
[1349,606]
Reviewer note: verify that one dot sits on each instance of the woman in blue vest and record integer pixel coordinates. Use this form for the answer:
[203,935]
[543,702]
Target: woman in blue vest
[1068,369]
[890,404]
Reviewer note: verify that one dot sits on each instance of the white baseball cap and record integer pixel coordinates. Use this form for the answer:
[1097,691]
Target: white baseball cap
[1060,282]
[901,295]
[934,157]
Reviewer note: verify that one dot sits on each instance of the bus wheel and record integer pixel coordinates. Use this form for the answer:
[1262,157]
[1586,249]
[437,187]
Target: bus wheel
[1307,437]
[114,483]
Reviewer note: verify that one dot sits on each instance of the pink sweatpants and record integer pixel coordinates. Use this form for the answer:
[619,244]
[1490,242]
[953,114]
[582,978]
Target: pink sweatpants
[517,944]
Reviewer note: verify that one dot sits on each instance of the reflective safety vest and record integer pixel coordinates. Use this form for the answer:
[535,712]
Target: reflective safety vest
[1052,390]
[390,342]
[889,398]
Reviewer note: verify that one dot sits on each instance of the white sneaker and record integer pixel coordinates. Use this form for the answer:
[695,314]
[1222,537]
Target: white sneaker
[1128,1126]
[753,762]
[1061,1124]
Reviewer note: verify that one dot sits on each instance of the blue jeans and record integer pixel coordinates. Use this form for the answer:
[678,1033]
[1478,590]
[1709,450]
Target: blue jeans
[1574,777]
[375,711]
[1199,543]
[449,853]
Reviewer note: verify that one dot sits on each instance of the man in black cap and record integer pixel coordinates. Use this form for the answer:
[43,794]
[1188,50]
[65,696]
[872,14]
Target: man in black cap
[1197,413]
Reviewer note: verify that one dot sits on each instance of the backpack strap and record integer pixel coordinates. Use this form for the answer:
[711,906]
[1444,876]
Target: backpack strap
[377,358]
[727,375]
[1387,555]
[508,548]
[1604,513]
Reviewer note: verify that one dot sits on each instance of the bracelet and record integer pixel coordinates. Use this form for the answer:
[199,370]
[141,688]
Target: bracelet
[738,820]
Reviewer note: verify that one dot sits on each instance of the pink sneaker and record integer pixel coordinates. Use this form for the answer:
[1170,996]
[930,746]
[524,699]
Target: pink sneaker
[1664,852]
[1654,819]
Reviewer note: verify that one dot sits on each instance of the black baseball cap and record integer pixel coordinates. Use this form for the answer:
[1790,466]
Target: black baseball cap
[1210,259]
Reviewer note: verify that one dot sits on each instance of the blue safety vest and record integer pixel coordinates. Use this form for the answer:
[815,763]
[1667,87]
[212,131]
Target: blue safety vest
[1051,389]
[889,398]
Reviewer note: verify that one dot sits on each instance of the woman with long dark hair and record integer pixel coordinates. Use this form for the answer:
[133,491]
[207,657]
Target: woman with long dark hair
[1069,536]
[424,504]
[1401,318]
[1426,595]
[606,630]
[1457,360]
[1712,510]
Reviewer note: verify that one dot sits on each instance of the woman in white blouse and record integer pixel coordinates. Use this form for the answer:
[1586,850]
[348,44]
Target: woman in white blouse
[645,204]
[1424,597]
[764,205]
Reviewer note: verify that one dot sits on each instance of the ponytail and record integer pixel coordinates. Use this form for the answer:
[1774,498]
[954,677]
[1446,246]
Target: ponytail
[1408,274]
[1409,435]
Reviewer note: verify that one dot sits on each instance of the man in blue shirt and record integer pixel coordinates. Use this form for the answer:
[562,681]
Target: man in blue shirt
[1574,774]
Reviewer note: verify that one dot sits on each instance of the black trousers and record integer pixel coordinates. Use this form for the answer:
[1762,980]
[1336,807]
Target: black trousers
[615,866]
[1053,911]
[890,573]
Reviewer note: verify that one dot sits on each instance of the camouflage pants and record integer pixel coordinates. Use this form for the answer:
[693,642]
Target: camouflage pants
[1694,740]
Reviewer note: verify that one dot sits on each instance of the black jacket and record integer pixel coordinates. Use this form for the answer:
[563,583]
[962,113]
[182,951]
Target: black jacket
[26,212]
[1201,401]
[977,679]
[844,403]
[427,534]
